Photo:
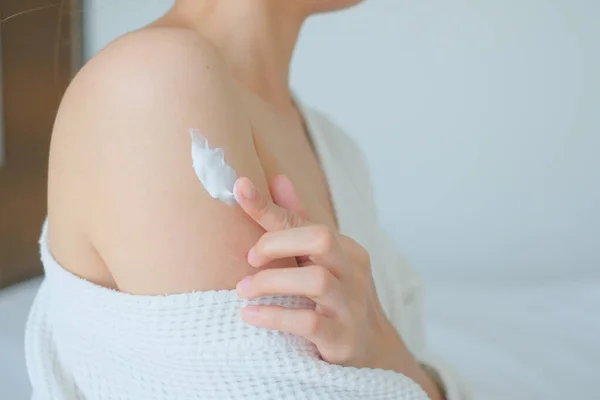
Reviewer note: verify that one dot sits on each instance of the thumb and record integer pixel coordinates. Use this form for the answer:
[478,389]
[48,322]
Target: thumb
[284,195]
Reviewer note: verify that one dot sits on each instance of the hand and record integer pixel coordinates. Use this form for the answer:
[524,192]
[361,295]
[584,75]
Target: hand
[348,325]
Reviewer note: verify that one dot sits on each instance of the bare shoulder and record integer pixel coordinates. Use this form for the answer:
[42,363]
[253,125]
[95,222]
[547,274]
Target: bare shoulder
[120,163]
[150,78]
[156,48]
[148,69]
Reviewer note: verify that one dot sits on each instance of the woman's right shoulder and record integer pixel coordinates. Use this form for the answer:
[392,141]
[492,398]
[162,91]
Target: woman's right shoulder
[146,44]
[121,167]
[149,86]
[153,74]
[143,91]
[146,67]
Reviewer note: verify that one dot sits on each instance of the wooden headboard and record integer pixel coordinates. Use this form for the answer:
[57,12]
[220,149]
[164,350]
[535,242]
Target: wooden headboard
[40,52]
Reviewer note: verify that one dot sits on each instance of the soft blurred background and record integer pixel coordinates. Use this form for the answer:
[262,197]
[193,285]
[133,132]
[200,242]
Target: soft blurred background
[481,124]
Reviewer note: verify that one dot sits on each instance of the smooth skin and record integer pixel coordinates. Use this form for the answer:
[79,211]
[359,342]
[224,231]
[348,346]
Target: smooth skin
[126,210]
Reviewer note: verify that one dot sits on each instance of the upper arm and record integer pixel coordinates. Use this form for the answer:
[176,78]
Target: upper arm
[145,211]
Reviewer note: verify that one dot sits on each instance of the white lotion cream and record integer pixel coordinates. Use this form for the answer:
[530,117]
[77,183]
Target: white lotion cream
[215,174]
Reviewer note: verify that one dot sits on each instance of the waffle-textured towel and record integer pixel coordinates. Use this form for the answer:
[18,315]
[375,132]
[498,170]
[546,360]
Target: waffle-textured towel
[96,343]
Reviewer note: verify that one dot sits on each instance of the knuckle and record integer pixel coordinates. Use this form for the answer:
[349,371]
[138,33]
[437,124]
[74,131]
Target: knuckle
[296,220]
[324,239]
[291,220]
[286,221]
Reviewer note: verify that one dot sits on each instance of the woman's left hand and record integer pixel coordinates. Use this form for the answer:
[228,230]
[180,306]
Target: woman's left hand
[348,326]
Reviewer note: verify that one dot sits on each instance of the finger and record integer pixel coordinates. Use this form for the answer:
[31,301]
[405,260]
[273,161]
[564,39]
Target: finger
[317,242]
[314,282]
[266,213]
[299,322]
[284,195]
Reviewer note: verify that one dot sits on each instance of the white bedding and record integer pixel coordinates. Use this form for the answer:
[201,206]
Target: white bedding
[14,307]
[524,342]
[505,340]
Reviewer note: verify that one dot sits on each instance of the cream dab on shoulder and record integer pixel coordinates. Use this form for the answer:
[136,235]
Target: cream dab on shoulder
[212,170]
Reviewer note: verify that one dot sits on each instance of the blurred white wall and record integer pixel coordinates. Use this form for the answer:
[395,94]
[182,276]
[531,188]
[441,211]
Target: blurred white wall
[480,120]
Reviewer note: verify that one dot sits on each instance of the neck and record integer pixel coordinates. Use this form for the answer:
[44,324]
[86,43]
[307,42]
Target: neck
[257,39]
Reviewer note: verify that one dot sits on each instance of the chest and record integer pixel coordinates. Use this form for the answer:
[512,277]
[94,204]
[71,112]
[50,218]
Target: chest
[284,147]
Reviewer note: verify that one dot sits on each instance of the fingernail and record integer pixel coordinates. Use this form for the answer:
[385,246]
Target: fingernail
[247,191]
[250,311]
[244,285]
[252,258]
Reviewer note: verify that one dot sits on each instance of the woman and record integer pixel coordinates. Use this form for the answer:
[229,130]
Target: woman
[142,255]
